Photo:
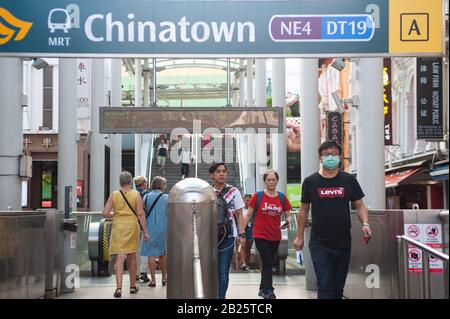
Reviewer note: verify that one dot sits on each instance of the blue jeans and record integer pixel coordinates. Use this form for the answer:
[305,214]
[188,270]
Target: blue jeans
[331,268]
[225,255]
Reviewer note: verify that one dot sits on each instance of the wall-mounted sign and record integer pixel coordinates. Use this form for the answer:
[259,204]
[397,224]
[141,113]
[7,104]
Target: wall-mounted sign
[335,127]
[387,98]
[181,28]
[429,99]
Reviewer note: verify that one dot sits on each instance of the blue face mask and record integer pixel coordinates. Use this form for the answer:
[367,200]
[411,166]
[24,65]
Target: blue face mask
[330,161]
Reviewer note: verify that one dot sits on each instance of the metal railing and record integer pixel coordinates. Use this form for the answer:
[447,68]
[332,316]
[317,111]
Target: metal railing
[150,156]
[403,266]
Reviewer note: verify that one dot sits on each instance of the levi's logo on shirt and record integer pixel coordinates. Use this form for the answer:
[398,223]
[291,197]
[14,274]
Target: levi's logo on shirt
[331,192]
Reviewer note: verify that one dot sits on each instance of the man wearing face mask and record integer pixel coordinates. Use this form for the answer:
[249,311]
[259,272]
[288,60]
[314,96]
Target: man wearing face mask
[329,193]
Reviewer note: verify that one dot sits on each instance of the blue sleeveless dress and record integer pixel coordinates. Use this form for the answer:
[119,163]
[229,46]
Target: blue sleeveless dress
[157,225]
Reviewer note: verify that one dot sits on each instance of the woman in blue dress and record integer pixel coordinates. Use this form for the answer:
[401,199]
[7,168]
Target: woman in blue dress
[157,227]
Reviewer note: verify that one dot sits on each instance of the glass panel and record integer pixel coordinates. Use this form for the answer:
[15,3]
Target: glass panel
[47,120]
[48,77]
[48,99]
[46,189]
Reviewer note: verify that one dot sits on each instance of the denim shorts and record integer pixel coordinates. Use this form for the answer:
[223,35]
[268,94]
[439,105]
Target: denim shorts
[249,233]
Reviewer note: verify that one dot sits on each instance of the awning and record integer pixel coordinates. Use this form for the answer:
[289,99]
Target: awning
[440,172]
[395,178]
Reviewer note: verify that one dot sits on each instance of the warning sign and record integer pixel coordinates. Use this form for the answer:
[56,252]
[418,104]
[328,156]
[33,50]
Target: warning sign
[432,231]
[415,260]
[430,235]
[413,231]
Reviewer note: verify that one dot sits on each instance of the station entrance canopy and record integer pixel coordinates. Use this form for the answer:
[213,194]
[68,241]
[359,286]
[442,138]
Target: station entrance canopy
[169,28]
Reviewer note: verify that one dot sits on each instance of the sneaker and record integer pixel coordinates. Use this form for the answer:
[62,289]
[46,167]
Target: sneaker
[260,293]
[144,277]
[269,294]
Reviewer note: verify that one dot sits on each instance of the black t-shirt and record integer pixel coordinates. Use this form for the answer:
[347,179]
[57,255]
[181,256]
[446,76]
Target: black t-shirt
[330,200]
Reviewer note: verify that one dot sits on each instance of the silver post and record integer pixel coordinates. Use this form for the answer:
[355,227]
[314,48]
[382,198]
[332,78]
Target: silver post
[401,270]
[426,275]
[155,104]
[228,84]
[446,278]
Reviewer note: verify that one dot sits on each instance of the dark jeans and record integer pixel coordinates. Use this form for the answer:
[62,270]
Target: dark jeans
[185,169]
[225,255]
[268,251]
[331,268]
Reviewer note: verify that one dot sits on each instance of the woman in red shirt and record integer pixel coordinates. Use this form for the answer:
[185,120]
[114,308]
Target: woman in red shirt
[266,227]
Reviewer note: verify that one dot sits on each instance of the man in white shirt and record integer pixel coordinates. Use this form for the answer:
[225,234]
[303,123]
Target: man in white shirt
[185,160]
[218,173]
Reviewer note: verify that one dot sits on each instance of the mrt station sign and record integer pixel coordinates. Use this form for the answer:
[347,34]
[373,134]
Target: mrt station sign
[169,28]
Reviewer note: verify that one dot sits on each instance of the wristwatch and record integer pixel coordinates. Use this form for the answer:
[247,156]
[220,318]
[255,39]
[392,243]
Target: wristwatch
[242,235]
[366,224]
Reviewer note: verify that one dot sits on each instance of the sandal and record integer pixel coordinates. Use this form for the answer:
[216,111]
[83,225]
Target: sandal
[152,284]
[164,282]
[134,290]
[118,293]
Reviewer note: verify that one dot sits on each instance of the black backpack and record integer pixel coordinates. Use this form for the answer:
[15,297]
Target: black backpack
[162,151]
[224,223]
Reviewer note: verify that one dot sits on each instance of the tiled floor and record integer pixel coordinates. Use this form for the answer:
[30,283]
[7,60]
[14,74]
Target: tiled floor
[242,286]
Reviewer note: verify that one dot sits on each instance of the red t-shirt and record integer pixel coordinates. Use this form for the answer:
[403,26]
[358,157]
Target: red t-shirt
[267,220]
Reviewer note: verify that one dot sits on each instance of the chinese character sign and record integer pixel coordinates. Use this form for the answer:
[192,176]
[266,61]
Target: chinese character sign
[429,98]
[83,88]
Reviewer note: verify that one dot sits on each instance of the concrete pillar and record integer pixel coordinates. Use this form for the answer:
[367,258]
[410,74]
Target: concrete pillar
[10,133]
[97,141]
[249,82]
[354,138]
[369,130]
[146,91]
[241,83]
[116,139]
[137,103]
[278,152]
[309,141]
[309,117]
[67,133]
[250,137]
[261,139]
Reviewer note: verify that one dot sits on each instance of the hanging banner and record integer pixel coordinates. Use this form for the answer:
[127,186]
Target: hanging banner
[429,99]
[181,28]
[335,127]
[387,98]
[83,88]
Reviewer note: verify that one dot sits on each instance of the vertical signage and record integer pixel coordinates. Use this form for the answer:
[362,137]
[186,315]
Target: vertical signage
[83,91]
[335,127]
[429,98]
[387,100]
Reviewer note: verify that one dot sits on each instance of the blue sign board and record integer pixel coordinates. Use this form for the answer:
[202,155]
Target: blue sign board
[127,28]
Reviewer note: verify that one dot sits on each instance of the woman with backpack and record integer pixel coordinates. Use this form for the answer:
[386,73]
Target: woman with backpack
[163,150]
[155,204]
[265,209]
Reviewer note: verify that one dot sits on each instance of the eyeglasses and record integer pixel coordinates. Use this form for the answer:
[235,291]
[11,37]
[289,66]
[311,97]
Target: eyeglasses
[332,154]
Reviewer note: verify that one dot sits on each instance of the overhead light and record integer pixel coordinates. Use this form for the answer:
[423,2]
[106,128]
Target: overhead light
[338,64]
[39,63]
[354,101]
